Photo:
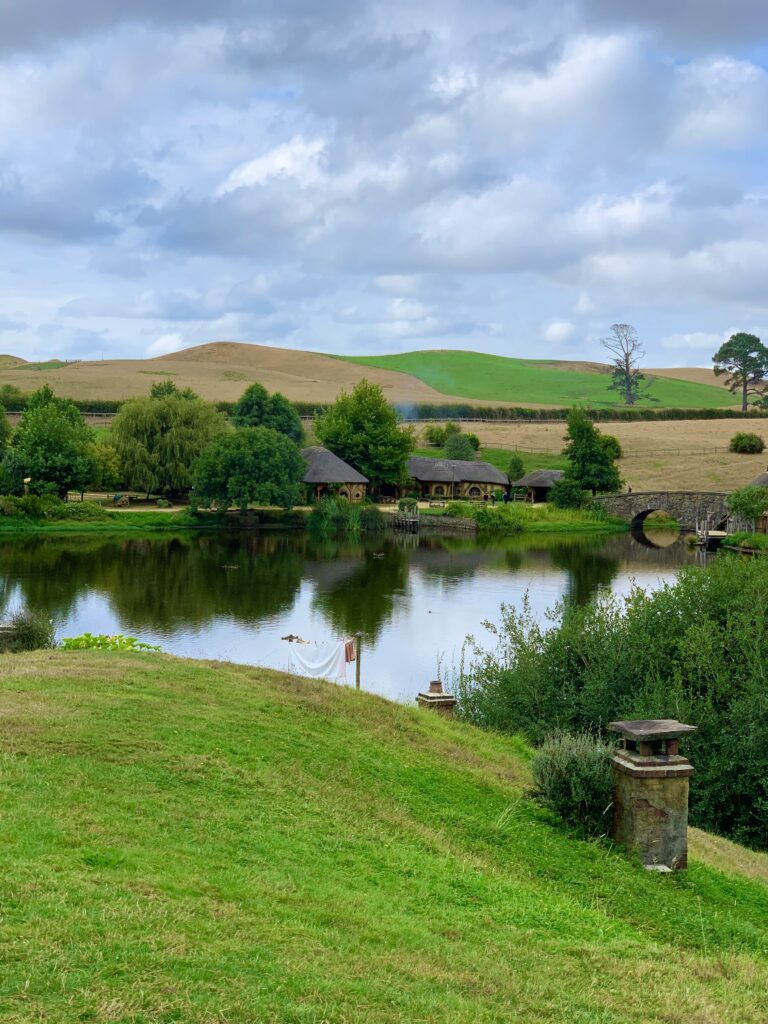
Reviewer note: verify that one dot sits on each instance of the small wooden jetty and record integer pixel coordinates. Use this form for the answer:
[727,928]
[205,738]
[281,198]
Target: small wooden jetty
[406,520]
[709,538]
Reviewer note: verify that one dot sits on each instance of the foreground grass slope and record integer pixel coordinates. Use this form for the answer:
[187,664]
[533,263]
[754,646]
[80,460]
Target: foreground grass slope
[489,378]
[211,843]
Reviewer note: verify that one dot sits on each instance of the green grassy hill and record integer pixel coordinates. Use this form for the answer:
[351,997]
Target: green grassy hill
[211,843]
[488,378]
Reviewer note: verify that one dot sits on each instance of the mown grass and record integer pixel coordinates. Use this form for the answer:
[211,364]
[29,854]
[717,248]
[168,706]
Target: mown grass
[502,379]
[214,843]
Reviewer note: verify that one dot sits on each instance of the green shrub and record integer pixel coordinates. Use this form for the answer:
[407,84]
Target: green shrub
[748,502]
[371,519]
[407,504]
[435,435]
[746,444]
[459,447]
[474,440]
[516,467]
[501,519]
[101,642]
[163,503]
[693,650]
[572,776]
[28,632]
[82,511]
[744,539]
[459,510]
[566,493]
[611,446]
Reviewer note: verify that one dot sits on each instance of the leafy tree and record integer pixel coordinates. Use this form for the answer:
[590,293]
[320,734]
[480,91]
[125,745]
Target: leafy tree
[459,446]
[748,502]
[745,359]
[435,435]
[626,350]
[257,408]
[474,440]
[516,467]
[158,440]
[107,471]
[611,446]
[362,428]
[566,493]
[5,429]
[52,445]
[591,466]
[167,389]
[250,465]
[746,444]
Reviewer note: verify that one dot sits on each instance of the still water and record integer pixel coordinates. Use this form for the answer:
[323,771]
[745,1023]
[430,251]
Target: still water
[234,596]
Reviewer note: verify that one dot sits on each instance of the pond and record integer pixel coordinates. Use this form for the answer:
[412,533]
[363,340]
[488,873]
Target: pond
[234,596]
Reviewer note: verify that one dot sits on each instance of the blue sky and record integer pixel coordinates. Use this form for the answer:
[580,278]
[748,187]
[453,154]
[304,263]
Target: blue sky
[362,177]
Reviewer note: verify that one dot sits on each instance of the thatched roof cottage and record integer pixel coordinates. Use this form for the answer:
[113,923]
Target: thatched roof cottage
[453,478]
[327,473]
[539,482]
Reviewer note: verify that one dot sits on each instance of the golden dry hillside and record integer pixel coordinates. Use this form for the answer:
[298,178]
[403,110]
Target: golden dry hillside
[217,371]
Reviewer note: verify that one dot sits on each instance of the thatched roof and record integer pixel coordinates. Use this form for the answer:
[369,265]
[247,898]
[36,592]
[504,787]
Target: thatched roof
[446,471]
[540,478]
[759,481]
[323,467]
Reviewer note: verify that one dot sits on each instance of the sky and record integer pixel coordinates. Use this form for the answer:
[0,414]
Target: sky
[371,176]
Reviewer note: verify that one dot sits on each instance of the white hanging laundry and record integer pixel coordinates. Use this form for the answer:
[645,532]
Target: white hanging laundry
[320,661]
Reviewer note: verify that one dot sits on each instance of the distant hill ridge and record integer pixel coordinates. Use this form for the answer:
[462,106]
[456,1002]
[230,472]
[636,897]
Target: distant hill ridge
[222,370]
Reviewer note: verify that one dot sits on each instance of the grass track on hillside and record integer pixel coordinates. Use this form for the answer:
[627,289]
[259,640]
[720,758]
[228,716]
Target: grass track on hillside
[215,843]
[489,378]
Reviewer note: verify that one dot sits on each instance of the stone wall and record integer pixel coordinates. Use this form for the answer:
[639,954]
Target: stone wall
[687,507]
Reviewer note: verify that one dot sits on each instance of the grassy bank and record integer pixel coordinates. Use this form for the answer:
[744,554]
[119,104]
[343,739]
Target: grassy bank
[204,842]
[499,457]
[520,517]
[128,521]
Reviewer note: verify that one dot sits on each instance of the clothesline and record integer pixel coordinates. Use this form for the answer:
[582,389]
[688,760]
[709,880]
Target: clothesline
[322,660]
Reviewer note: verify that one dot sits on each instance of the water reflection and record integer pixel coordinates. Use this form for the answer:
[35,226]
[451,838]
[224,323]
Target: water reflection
[234,595]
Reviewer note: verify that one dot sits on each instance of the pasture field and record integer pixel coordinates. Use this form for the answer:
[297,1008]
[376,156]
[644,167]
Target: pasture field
[220,371]
[489,378]
[205,842]
[668,455]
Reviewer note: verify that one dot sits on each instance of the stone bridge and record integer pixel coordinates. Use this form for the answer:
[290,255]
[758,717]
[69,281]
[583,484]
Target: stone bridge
[687,507]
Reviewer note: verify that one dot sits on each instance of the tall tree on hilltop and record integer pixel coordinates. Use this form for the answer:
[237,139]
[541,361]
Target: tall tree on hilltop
[626,350]
[362,428]
[590,461]
[745,359]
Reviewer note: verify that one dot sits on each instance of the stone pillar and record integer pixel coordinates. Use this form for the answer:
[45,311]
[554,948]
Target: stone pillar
[436,699]
[650,792]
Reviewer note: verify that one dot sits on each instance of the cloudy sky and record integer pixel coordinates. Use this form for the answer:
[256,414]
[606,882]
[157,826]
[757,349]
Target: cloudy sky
[357,176]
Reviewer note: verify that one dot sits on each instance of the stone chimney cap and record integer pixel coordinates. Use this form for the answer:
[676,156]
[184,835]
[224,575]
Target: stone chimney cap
[652,729]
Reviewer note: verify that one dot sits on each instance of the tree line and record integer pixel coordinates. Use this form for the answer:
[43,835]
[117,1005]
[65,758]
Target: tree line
[173,444]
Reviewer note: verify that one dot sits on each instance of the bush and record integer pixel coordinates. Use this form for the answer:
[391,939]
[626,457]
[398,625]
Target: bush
[748,502]
[407,504]
[693,650]
[163,503]
[371,519]
[746,444]
[502,519]
[474,440]
[459,510]
[101,642]
[611,446]
[435,435]
[459,447]
[566,493]
[572,776]
[28,632]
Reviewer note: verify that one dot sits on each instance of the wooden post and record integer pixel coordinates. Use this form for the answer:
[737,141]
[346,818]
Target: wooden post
[358,638]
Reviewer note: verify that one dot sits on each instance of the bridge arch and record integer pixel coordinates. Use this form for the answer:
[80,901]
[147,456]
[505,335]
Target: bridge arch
[689,508]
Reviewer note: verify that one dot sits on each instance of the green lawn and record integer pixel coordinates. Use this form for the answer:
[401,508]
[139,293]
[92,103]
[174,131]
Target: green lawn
[488,378]
[200,843]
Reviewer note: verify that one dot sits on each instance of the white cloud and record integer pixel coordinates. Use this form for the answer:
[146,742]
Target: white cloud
[558,331]
[584,303]
[165,344]
[298,159]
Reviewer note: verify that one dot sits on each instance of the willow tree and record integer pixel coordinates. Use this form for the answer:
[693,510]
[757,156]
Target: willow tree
[159,439]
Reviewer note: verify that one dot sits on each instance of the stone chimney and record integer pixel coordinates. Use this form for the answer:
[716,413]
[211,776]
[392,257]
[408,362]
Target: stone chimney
[650,792]
[436,699]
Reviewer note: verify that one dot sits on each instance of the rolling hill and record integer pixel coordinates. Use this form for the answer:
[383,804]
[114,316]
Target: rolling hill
[200,842]
[222,370]
[486,378]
